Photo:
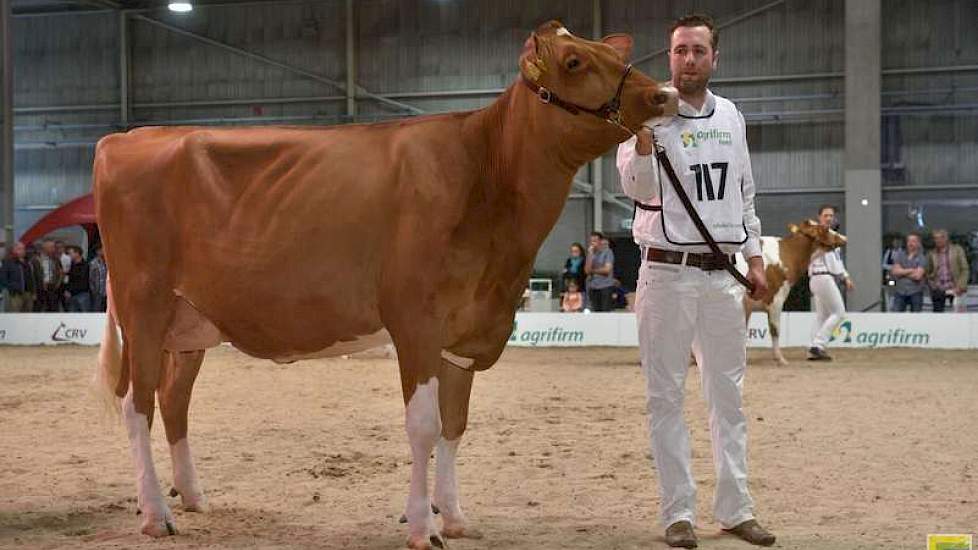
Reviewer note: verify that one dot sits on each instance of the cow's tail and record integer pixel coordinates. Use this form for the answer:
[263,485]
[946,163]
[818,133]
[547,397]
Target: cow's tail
[109,369]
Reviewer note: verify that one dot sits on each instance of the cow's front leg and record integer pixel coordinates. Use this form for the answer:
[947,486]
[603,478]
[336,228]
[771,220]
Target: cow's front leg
[454,389]
[423,425]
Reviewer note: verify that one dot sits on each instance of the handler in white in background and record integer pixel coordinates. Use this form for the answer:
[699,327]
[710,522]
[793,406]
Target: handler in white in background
[824,269]
[685,297]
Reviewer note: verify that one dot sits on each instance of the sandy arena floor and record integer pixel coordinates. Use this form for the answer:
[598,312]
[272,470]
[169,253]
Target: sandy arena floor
[874,450]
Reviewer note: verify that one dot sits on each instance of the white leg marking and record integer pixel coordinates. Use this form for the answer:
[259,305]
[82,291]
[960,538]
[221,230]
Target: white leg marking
[423,430]
[185,477]
[157,518]
[446,489]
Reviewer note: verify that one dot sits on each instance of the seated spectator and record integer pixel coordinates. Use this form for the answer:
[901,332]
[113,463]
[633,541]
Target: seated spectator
[909,275]
[76,289]
[573,300]
[947,272]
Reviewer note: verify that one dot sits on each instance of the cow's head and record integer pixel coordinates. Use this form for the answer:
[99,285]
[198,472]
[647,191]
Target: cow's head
[822,236]
[588,78]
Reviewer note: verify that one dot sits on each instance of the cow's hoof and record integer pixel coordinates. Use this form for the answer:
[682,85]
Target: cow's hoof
[461,532]
[426,543]
[198,504]
[160,528]
[782,361]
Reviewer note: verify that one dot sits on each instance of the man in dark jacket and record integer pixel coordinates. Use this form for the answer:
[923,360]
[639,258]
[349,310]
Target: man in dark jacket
[48,276]
[76,290]
[17,280]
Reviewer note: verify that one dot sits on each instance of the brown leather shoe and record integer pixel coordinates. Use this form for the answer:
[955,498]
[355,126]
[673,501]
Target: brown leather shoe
[681,535]
[753,533]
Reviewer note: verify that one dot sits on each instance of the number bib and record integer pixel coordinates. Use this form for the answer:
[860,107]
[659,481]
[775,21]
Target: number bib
[707,155]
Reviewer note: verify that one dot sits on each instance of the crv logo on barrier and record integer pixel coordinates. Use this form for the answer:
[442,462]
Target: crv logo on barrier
[66,334]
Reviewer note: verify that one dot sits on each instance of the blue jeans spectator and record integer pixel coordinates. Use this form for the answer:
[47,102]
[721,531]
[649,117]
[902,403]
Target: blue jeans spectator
[80,303]
[914,301]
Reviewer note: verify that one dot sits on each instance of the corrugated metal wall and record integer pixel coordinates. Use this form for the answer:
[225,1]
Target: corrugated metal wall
[407,47]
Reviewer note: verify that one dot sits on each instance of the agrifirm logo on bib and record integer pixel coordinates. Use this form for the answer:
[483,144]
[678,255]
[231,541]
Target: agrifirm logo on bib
[694,139]
[949,542]
[846,334]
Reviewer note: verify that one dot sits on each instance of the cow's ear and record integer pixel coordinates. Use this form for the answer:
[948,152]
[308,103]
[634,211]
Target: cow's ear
[622,43]
[793,228]
[530,62]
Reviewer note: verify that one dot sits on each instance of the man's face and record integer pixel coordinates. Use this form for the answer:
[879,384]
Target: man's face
[940,240]
[48,248]
[691,59]
[74,255]
[826,218]
[19,250]
[913,243]
[595,242]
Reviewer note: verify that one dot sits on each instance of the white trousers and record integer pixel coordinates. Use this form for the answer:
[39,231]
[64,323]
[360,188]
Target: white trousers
[829,308]
[681,308]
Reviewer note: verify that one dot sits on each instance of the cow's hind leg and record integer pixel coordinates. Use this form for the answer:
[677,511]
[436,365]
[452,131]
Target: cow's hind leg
[774,326]
[454,389]
[179,372]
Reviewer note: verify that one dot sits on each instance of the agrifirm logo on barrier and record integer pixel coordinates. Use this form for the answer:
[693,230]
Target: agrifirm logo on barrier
[543,336]
[949,542]
[889,337]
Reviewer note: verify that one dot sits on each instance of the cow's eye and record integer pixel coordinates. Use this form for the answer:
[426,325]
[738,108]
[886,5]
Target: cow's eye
[573,63]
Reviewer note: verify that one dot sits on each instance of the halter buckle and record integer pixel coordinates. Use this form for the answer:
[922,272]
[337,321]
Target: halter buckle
[544,94]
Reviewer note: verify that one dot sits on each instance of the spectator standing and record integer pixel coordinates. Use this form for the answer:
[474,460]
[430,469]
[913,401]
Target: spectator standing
[97,276]
[76,289]
[908,273]
[599,267]
[61,252]
[574,266]
[17,280]
[48,276]
[947,272]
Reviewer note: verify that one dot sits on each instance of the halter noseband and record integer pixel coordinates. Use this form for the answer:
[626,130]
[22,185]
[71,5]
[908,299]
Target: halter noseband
[610,111]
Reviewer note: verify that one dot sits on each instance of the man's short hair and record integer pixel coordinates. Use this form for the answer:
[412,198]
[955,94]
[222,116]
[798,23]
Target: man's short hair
[598,234]
[939,232]
[698,20]
[76,248]
[827,206]
[915,234]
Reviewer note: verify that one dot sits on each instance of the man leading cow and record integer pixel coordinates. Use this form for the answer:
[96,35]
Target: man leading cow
[685,297]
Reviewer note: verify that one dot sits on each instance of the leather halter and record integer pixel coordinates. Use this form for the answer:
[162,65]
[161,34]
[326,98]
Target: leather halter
[610,111]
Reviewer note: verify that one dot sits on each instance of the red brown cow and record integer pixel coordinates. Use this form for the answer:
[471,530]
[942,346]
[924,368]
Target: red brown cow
[785,261]
[434,223]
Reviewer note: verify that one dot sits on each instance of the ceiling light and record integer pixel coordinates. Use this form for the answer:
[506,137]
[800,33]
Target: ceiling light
[181,7]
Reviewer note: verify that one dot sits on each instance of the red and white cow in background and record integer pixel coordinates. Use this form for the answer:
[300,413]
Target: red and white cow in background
[786,260]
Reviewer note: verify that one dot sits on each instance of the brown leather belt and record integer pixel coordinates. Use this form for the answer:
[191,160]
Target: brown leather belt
[706,262]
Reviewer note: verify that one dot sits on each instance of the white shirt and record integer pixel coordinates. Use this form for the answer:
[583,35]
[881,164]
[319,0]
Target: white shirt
[708,150]
[827,261]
